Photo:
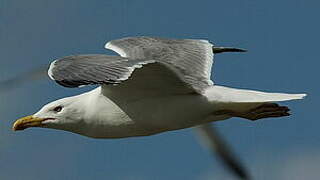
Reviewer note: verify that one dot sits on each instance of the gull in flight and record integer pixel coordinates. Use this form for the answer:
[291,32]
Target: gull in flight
[155,85]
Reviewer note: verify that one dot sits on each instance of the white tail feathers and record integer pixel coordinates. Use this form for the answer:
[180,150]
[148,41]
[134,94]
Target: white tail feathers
[225,94]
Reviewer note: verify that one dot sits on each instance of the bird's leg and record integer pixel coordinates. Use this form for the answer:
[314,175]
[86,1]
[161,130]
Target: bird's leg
[266,110]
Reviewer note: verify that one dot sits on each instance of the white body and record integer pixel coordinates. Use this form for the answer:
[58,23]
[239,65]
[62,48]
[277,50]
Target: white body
[140,118]
[120,117]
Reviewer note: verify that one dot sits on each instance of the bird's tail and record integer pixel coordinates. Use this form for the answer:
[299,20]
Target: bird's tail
[249,104]
[232,95]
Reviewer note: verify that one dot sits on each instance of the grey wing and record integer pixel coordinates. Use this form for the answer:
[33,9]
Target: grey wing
[139,78]
[75,71]
[192,58]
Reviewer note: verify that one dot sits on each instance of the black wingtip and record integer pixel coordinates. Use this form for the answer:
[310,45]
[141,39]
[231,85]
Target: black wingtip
[217,50]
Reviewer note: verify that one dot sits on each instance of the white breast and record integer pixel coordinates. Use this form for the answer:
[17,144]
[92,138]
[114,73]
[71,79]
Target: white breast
[144,117]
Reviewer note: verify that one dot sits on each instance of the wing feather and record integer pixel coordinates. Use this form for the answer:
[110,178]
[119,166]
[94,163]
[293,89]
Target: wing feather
[75,71]
[192,58]
[154,79]
[184,64]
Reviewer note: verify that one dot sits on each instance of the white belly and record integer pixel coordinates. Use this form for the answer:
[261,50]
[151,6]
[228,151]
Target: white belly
[167,113]
[147,116]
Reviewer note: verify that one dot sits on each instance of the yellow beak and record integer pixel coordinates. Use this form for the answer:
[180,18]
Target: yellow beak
[26,122]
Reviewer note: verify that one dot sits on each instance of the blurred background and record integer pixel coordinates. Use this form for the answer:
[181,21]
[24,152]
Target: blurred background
[283,42]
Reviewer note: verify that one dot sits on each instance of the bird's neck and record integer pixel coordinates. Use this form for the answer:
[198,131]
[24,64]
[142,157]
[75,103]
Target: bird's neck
[102,117]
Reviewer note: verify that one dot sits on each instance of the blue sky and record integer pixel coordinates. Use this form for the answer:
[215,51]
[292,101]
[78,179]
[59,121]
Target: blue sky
[282,38]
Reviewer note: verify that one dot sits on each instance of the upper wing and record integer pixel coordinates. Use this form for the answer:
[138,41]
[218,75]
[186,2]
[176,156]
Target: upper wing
[178,66]
[136,78]
[192,58]
[75,71]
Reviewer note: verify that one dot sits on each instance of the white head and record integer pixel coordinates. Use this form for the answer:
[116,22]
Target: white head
[90,114]
[66,114]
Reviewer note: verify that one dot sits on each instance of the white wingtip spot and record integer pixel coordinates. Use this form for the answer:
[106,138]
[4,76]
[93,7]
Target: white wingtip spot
[52,65]
[204,40]
[116,49]
[302,96]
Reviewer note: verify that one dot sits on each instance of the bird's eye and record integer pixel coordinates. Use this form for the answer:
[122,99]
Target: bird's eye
[57,109]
